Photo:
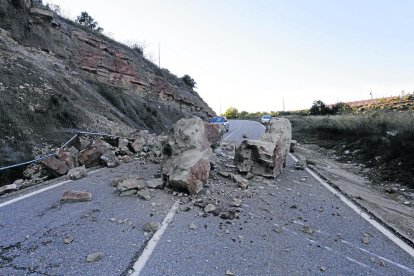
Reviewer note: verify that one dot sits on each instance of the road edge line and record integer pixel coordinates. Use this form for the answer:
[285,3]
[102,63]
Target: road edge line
[152,243]
[390,235]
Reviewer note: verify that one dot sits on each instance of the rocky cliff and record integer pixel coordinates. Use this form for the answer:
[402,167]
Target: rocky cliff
[57,76]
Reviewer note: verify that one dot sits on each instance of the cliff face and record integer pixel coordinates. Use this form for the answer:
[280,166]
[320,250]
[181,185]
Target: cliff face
[56,75]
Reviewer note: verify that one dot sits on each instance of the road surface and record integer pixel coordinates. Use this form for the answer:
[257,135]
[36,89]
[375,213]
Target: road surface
[287,227]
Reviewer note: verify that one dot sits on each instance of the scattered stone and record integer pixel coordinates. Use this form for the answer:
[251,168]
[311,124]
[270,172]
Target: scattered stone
[236,202]
[68,240]
[8,188]
[294,206]
[214,133]
[144,194]
[307,229]
[249,176]
[128,193]
[406,203]
[303,179]
[152,227]
[133,183]
[138,144]
[155,183]
[365,239]
[193,226]
[74,196]
[117,180]
[224,174]
[110,159]
[209,208]
[123,143]
[18,182]
[227,231]
[244,135]
[77,173]
[300,165]
[185,208]
[127,159]
[229,273]
[322,268]
[94,257]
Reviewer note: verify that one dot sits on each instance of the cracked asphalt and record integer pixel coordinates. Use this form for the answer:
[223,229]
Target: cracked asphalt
[290,225]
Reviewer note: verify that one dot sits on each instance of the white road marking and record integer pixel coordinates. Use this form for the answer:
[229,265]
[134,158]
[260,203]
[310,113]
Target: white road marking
[40,191]
[146,254]
[232,133]
[362,213]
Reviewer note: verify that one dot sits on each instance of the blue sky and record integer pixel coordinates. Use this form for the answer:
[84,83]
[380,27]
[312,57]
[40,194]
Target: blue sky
[252,54]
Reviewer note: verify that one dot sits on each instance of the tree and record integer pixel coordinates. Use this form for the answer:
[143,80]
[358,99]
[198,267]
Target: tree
[189,81]
[86,20]
[341,108]
[319,108]
[231,113]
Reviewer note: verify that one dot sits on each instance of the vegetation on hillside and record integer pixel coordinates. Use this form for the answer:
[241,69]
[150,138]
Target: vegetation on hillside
[86,20]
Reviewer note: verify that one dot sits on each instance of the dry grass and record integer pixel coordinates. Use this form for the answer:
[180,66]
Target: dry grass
[384,140]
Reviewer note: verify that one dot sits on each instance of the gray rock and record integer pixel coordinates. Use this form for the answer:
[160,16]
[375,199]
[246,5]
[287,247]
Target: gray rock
[123,143]
[152,227]
[193,226]
[209,208]
[155,183]
[293,144]
[127,159]
[68,240]
[110,159]
[8,188]
[267,156]
[77,173]
[128,193]
[144,194]
[300,165]
[133,183]
[138,144]
[94,257]
[236,202]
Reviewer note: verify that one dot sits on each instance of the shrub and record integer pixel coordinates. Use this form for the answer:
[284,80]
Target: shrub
[86,20]
[189,81]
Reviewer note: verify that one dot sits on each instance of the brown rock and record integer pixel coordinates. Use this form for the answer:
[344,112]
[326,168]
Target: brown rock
[91,155]
[77,173]
[75,196]
[214,133]
[127,159]
[56,166]
[110,159]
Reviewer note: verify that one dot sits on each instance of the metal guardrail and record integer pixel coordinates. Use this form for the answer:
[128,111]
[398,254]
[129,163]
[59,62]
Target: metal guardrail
[77,133]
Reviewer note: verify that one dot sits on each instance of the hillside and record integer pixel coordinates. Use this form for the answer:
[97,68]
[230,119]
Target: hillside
[56,76]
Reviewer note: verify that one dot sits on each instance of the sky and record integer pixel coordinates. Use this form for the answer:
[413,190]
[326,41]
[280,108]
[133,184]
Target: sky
[255,55]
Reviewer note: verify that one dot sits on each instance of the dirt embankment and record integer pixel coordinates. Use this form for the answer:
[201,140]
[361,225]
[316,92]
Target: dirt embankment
[57,76]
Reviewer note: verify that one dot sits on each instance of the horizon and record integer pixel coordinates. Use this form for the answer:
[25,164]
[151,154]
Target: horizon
[251,56]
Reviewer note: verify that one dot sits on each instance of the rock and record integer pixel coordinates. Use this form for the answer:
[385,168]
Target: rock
[8,188]
[56,166]
[214,133]
[81,143]
[307,229]
[322,268]
[138,144]
[122,143]
[94,257]
[249,176]
[77,173]
[244,135]
[128,193]
[155,183]
[188,171]
[133,183]
[144,194]
[209,208]
[236,202]
[267,156]
[68,240]
[127,159]
[192,226]
[230,214]
[188,134]
[365,239]
[229,273]
[300,165]
[152,227]
[68,157]
[293,144]
[110,159]
[75,196]
[91,155]
[224,174]
[117,180]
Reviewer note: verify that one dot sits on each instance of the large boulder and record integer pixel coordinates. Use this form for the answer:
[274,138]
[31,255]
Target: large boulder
[187,134]
[188,171]
[214,133]
[91,155]
[267,156]
[189,155]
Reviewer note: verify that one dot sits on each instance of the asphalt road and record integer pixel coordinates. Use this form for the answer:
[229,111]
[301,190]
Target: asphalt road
[287,227]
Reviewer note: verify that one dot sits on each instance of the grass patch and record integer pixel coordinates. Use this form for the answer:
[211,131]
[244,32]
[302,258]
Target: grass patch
[384,140]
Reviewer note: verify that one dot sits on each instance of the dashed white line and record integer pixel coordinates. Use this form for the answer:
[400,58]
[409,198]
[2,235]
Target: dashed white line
[232,133]
[146,254]
[363,214]
[39,191]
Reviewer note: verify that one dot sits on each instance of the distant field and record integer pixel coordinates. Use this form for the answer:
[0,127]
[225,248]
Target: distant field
[383,140]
